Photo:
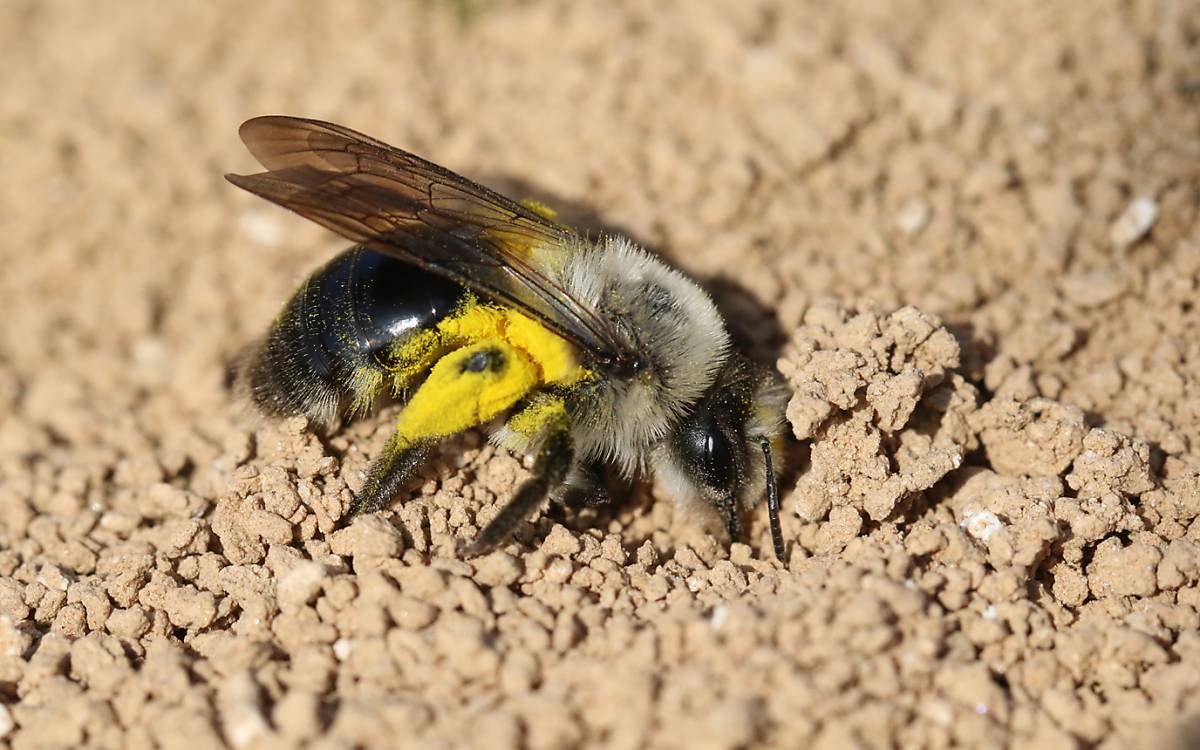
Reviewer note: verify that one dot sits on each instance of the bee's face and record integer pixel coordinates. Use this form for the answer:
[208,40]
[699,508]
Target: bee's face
[721,445]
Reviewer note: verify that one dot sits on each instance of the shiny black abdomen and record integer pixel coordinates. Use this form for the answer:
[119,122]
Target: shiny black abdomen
[345,317]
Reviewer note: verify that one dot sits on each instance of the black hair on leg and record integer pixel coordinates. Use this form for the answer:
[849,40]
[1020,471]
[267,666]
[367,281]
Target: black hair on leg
[549,470]
[389,472]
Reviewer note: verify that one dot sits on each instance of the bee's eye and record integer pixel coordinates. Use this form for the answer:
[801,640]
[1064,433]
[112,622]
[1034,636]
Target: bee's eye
[705,449]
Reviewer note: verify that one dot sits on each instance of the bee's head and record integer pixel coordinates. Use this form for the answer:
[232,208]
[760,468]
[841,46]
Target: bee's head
[723,447]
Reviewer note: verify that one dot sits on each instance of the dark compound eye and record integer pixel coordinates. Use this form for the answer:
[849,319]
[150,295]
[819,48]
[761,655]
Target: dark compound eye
[703,446]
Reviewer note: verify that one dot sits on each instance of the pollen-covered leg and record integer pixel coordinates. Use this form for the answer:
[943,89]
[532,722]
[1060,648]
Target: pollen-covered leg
[391,470]
[466,388]
[549,470]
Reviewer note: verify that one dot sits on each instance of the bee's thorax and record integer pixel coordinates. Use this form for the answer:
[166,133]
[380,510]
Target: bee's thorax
[669,321]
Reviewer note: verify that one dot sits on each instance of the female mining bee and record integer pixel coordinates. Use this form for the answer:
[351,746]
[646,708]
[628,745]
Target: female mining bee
[600,359]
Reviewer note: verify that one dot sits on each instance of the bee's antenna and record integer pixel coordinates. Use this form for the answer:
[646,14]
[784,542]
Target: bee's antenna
[773,501]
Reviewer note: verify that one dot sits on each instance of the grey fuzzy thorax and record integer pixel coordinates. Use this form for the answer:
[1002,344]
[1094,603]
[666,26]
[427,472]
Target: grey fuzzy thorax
[670,321]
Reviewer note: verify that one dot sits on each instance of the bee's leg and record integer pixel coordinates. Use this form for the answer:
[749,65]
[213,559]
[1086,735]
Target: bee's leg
[465,388]
[549,471]
[727,506]
[390,471]
[586,487]
[773,502]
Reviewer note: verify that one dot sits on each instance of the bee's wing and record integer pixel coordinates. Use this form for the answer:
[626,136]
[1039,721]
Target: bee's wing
[404,206]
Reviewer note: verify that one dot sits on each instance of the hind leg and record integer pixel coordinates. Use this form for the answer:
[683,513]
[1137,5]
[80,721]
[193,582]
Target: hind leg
[464,389]
[391,470]
[550,470]
[586,487]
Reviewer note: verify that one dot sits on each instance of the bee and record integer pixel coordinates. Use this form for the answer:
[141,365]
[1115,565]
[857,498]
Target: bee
[589,354]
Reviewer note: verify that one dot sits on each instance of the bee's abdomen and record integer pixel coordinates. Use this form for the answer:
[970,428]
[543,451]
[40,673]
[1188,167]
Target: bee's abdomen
[342,319]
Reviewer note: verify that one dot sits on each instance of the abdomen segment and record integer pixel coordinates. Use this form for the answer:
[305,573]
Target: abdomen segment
[337,331]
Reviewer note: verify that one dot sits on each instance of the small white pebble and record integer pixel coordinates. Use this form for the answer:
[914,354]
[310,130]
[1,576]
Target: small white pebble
[262,228]
[717,621]
[1134,223]
[301,584]
[245,727]
[52,578]
[913,216]
[939,711]
[342,648]
[242,716]
[150,353]
[990,612]
[559,571]
[982,525]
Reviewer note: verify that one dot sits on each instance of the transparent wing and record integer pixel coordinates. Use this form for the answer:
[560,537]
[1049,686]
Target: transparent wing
[404,206]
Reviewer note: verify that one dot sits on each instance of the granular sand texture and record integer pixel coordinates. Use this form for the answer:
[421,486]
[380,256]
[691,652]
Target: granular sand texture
[967,234]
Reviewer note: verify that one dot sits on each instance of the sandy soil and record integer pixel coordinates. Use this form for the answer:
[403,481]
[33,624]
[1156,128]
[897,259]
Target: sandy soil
[969,233]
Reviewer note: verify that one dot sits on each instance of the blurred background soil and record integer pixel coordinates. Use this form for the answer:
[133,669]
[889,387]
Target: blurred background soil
[969,233]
